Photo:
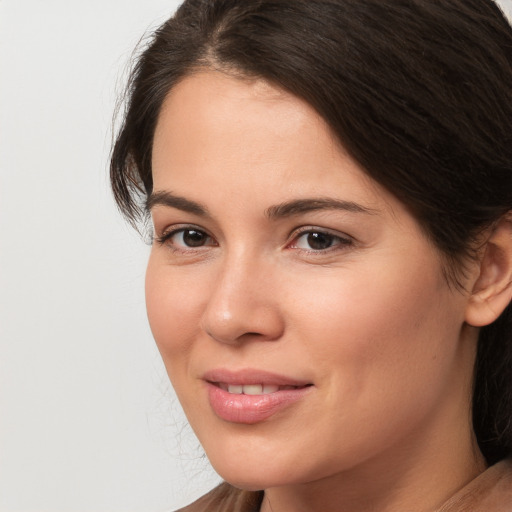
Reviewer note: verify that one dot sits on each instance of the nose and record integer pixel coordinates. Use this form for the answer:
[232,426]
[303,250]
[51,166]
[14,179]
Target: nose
[243,303]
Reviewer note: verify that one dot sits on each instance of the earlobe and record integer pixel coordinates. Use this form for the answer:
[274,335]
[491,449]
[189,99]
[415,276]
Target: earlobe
[492,290]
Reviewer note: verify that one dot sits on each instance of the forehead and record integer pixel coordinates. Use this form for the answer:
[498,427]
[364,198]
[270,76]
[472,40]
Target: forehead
[251,140]
[218,109]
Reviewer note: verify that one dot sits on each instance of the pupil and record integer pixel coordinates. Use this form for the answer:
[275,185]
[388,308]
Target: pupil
[319,241]
[193,238]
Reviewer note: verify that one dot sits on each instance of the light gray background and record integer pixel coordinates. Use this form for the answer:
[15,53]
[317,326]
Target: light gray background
[87,419]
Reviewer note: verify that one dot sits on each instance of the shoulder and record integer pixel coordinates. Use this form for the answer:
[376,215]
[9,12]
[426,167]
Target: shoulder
[226,498]
[489,492]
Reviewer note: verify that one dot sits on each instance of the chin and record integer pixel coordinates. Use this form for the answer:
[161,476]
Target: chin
[244,471]
[251,479]
[256,470]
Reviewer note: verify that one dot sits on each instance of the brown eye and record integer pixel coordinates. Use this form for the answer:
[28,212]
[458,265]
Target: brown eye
[319,241]
[192,237]
[186,238]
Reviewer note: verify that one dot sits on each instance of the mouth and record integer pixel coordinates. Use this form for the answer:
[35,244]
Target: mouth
[253,396]
[255,389]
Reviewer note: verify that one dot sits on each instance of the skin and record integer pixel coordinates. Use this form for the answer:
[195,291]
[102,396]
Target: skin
[370,320]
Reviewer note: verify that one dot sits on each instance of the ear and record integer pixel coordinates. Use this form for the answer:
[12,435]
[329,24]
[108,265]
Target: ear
[492,290]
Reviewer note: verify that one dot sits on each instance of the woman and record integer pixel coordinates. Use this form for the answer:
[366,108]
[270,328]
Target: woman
[330,187]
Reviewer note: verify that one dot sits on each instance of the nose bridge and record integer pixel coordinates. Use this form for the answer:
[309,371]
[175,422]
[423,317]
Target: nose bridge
[242,301]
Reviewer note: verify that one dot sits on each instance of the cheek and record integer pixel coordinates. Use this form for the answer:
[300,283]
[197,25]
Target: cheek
[382,326]
[174,301]
[384,348]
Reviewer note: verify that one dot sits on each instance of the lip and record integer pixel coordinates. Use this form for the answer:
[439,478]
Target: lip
[251,409]
[252,376]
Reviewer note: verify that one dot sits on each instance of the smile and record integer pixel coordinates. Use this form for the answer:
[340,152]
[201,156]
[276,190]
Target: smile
[253,389]
[252,396]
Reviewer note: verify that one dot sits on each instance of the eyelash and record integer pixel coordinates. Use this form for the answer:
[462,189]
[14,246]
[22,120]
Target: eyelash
[166,236]
[338,242]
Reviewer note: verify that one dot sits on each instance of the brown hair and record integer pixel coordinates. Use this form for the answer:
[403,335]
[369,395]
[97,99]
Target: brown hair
[419,92]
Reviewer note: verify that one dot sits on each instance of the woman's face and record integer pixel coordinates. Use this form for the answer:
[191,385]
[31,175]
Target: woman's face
[301,314]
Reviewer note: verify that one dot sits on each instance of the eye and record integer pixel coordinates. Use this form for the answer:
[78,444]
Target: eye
[316,240]
[186,238]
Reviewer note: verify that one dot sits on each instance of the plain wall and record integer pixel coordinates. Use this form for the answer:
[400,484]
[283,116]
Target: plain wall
[88,421]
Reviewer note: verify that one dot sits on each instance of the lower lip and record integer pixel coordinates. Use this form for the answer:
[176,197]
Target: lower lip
[250,409]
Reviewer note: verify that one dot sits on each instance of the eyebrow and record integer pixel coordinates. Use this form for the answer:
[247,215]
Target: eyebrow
[298,206]
[286,209]
[164,198]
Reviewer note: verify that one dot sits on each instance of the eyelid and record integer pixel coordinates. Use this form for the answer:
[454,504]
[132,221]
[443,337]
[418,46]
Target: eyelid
[170,231]
[344,239]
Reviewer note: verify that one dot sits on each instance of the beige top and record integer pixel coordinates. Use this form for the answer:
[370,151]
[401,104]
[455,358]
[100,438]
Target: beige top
[491,491]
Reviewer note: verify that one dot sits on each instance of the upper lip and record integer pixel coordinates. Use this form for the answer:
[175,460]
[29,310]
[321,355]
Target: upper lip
[249,376]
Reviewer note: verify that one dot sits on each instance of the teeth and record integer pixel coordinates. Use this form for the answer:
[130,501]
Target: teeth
[252,389]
